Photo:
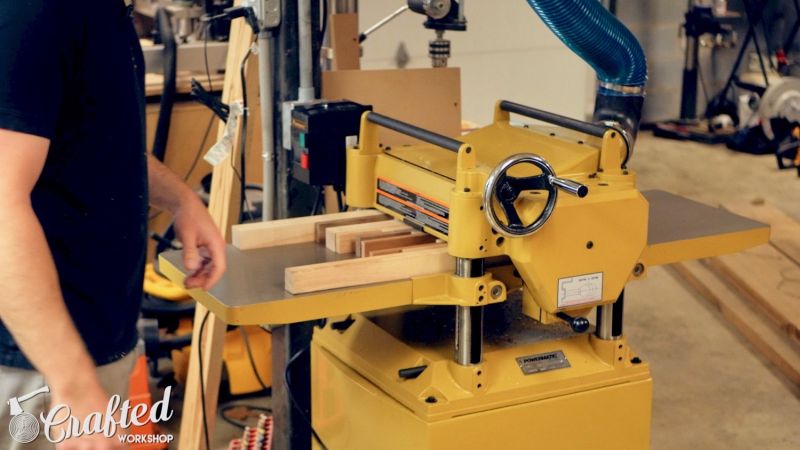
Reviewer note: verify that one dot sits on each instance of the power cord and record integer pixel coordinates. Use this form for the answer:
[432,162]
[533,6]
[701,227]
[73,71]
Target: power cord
[223,409]
[243,136]
[318,201]
[340,201]
[202,380]
[235,12]
[246,340]
[293,401]
[211,101]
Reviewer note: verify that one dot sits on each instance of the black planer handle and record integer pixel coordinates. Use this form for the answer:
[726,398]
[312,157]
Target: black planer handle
[415,132]
[591,129]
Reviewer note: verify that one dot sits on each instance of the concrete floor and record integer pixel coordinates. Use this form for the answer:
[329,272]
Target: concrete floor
[712,390]
[714,174]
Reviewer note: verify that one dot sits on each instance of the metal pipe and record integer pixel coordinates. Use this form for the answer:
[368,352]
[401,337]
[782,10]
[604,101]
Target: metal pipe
[267,125]
[555,119]
[305,91]
[604,320]
[469,319]
[464,335]
[609,320]
[616,316]
[285,76]
[381,23]
[415,132]
[690,74]
[469,268]
[345,6]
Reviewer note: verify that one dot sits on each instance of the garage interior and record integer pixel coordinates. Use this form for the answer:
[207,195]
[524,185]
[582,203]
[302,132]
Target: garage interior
[710,355]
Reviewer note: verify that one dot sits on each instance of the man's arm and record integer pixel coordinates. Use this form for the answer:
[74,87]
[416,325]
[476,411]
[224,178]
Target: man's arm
[203,245]
[31,303]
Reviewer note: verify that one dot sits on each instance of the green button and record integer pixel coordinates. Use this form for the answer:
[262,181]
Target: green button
[302,140]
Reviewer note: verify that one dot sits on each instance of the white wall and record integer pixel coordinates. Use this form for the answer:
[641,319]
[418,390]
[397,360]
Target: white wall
[507,53]
[656,24]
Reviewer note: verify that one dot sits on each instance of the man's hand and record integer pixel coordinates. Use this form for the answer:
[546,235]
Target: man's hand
[203,246]
[92,442]
[80,407]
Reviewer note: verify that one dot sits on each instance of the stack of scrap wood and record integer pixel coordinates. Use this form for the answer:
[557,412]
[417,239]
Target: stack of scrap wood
[758,291]
[382,247]
[375,249]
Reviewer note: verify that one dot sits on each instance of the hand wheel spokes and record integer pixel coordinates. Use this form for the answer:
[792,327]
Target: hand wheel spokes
[513,218]
[507,189]
[534,183]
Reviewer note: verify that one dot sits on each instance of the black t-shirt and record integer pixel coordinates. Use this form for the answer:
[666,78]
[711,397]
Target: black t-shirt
[73,73]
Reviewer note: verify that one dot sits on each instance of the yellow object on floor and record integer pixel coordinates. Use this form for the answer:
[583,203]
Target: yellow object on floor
[158,286]
[241,377]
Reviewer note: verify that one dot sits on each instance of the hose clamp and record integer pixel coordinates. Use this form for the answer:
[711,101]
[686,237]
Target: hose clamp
[622,89]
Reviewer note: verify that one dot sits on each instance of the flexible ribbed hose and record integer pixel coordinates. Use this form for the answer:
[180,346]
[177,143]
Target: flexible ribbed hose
[597,37]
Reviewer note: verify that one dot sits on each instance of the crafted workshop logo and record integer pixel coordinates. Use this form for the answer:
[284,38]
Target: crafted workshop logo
[59,424]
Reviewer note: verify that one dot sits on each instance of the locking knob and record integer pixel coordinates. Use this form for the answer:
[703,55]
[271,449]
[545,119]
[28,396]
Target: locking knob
[578,324]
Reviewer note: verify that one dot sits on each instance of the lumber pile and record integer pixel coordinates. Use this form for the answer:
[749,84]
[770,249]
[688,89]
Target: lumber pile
[382,249]
[758,290]
[296,230]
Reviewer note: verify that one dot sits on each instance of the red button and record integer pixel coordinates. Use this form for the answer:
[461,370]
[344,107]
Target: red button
[304,161]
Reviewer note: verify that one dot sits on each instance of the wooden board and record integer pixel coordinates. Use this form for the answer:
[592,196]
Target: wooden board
[321,227]
[421,247]
[771,279]
[367,247]
[342,239]
[770,342]
[411,248]
[363,271]
[429,98]
[784,231]
[200,398]
[289,231]
[344,42]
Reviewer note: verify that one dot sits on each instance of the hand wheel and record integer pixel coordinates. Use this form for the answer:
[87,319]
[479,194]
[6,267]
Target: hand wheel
[506,189]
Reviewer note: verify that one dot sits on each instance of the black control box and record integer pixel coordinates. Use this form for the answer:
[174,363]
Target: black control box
[320,133]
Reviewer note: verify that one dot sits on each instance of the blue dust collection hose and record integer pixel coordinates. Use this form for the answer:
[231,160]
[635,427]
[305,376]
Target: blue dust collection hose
[601,40]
